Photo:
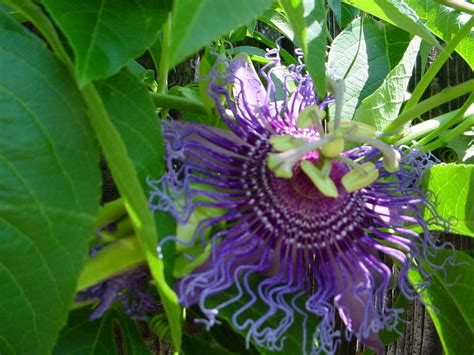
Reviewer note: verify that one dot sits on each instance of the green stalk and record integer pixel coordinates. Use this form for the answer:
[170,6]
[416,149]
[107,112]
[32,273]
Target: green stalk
[133,196]
[449,123]
[164,58]
[444,96]
[437,64]
[456,131]
[110,212]
[425,127]
[463,6]
[179,103]
[117,257]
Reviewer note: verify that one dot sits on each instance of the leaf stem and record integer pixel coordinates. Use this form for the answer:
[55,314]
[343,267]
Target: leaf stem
[437,64]
[117,257]
[456,131]
[164,58]
[463,6]
[444,96]
[180,103]
[450,122]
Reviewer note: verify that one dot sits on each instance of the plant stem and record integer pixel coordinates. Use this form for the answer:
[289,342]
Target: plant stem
[437,64]
[115,258]
[444,96]
[451,122]
[164,58]
[110,212]
[456,131]
[180,103]
[462,6]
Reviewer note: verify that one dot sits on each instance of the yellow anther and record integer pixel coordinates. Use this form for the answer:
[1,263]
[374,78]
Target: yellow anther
[310,116]
[353,128]
[333,149]
[391,160]
[360,177]
[286,142]
[323,183]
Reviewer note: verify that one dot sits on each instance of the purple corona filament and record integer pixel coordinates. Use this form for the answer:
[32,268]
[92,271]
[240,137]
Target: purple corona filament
[297,242]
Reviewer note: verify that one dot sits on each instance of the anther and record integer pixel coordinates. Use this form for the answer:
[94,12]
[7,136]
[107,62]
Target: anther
[323,183]
[360,177]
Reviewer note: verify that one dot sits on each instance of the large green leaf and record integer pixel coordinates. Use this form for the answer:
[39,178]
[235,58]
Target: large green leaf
[195,23]
[308,19]
[106,35]
[397,13]
[113,333]
[443,21]
[380,108]
[450,297]
[453,186]
[49,191]
[364,58]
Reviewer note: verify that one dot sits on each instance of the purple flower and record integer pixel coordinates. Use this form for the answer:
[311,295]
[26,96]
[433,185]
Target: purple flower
[309,218]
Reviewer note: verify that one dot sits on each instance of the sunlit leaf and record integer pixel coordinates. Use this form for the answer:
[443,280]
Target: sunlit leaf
[453,187]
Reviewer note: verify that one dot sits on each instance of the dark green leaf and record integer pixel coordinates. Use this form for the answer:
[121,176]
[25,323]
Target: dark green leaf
[364,58]
[453,186]
[198,22]
[308,19]
[348,14]
[463,145]
[113,333]
[383,106]
[335,6]
[106,35]
[450,297]
[49,191]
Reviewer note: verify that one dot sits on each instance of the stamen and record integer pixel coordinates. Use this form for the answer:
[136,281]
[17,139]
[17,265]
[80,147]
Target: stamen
[353,128]
[360,177]
[323,183]
[337,88]
[286,142]
[282,163]
[310,116]
[391,156]
[333,149]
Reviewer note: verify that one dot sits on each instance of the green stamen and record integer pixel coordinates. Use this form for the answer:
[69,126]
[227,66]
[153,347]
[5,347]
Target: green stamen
[286,142]
[360,177]
[310,116]
[323,183]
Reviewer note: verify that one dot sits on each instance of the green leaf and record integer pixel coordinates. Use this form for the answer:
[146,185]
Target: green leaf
[49,191]
[443,21]
[278,21]
[452,309]
[106,35]
[348,14]
[308,19]
[383,106]
[453,186]
[113,333]
[397,13]
[366,62]
[130,152]
[293,343]
[195,23]
[463,145]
